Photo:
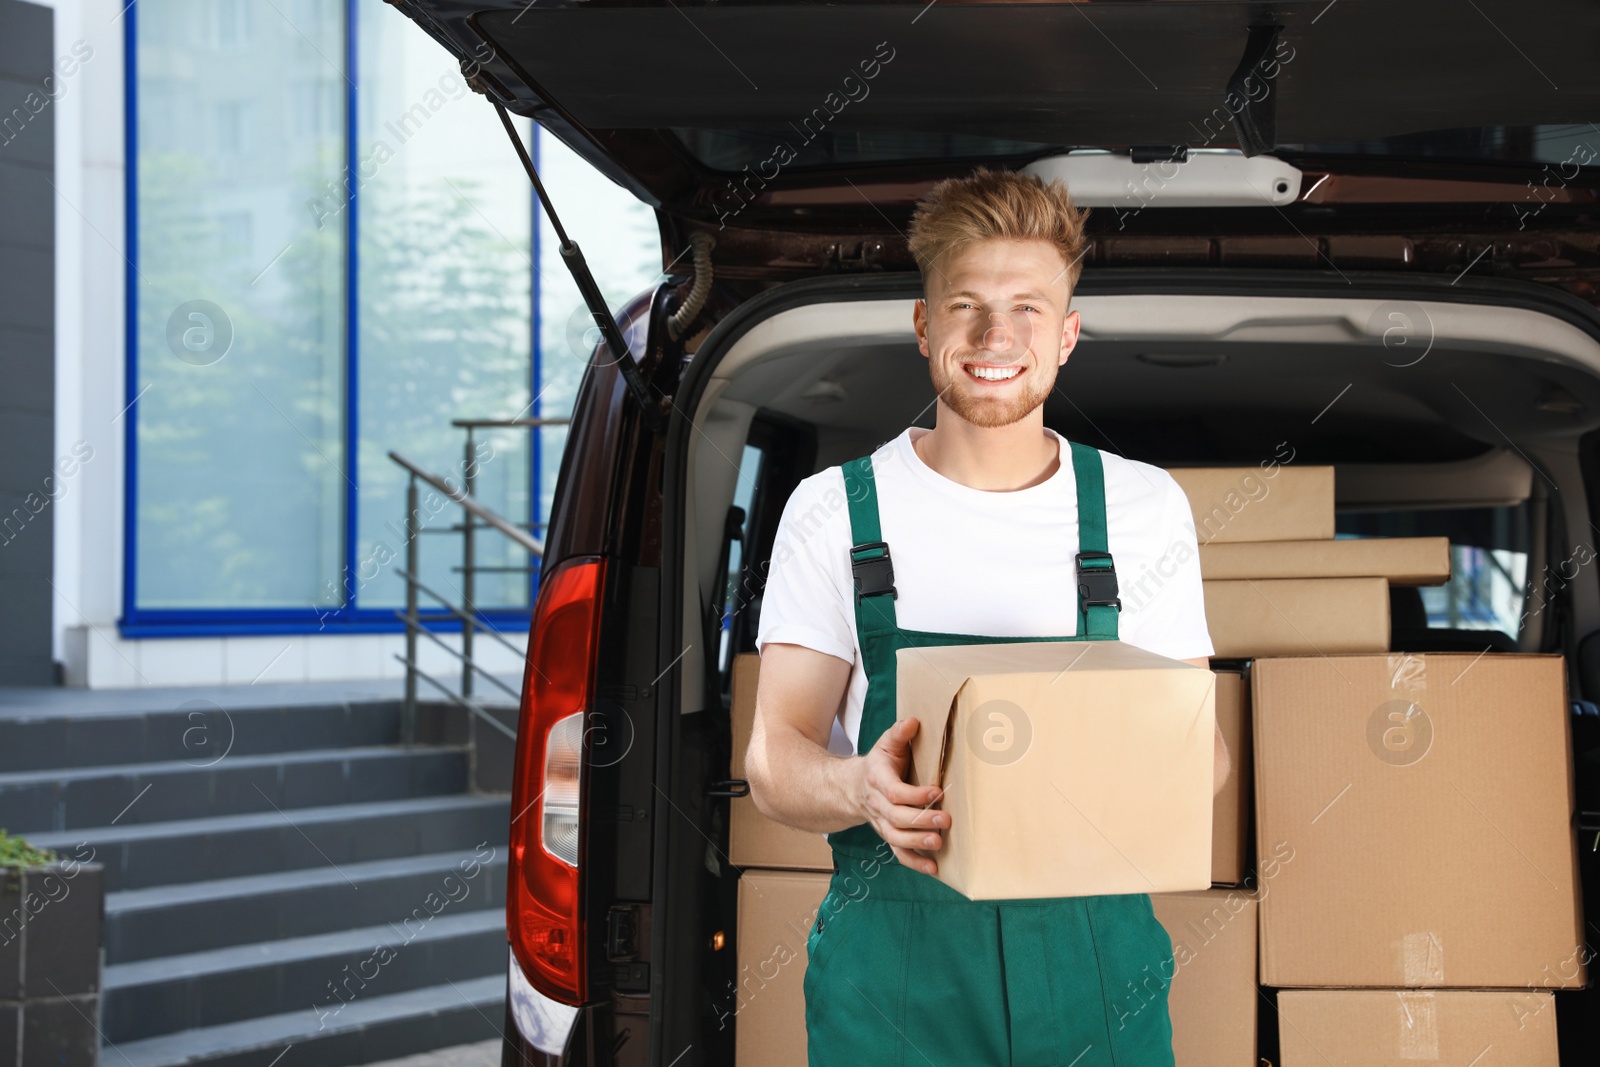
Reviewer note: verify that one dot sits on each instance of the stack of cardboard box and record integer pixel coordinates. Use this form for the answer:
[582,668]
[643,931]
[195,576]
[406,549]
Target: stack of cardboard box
[785,876]
[1411,892]
[1427,900]
[1415,863]
[1213,997]
[1277,582]
[1210,981]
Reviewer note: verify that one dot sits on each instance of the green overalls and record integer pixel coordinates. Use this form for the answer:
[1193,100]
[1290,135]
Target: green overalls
[904,971]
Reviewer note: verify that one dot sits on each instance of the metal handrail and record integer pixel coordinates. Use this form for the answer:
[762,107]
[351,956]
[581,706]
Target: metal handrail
[466,619]
[469,543]
[471,705]
[477,510]
[475,515]
[436,639]
[508,424]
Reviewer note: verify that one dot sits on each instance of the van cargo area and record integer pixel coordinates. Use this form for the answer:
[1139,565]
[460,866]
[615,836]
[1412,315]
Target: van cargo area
[1466,411]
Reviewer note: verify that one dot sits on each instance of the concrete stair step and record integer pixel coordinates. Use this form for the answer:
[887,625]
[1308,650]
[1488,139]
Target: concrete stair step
[366,1031]
[286,884]
[195,730]
[321,975]
[141,794]
[275,840]
[171,920]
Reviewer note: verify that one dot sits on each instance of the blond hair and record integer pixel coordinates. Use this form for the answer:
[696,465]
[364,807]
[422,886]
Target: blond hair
[989,204]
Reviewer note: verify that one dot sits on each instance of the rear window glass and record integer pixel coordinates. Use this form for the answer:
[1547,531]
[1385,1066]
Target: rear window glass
[1488,587]
[1574,145]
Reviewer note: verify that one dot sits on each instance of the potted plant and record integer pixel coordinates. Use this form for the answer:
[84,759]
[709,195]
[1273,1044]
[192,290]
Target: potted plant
[52,912]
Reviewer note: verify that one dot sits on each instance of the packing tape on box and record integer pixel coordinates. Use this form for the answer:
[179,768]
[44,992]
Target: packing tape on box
[1403,735]
[1408,676]
[1399,730]
[1419,1026]
[1423,959]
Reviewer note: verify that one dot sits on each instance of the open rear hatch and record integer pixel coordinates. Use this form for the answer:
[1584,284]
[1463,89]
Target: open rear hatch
[794,113]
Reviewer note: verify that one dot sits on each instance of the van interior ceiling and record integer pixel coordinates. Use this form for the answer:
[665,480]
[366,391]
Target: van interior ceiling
[1455,411]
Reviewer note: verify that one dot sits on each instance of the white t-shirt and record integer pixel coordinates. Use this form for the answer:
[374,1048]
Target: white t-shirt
[973,561]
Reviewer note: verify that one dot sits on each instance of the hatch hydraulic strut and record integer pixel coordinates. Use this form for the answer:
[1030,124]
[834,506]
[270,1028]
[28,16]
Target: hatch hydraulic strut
[573,256]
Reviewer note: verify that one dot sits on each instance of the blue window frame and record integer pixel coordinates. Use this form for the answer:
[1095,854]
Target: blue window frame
[193,455]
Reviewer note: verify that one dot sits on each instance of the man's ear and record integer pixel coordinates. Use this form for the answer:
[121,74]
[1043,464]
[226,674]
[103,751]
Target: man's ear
[919,322]
[1069,335]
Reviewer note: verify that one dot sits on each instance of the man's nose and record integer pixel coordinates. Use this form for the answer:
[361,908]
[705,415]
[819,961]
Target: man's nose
[998,337]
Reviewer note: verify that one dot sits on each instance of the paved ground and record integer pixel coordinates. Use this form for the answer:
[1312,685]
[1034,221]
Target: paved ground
[483,1054]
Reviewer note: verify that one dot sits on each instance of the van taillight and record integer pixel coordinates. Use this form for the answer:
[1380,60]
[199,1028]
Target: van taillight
[543,906]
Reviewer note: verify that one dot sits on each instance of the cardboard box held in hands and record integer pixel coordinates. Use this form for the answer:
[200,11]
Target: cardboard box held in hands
[1070,768]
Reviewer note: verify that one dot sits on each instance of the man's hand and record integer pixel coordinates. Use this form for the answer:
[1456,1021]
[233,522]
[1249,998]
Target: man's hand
[898,810]
[796,781]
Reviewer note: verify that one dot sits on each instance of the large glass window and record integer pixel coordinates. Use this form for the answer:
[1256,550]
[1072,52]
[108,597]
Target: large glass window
[622,245]
[445,303]
[239,326]
[335,256]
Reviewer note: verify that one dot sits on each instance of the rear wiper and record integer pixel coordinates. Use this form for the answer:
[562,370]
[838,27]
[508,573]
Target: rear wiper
[576,264]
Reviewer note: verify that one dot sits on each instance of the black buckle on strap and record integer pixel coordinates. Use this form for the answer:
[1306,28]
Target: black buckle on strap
[1097,583]
[874,574]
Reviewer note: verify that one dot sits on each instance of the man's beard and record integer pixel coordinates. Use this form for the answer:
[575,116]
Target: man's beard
[964,398]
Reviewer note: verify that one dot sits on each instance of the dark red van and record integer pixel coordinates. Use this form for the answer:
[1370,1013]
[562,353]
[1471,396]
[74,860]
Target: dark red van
[1370,230]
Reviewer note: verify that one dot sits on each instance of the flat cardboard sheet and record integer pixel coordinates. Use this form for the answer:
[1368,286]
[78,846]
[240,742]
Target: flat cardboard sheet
[1071,768]
[1212,996]
[1421,807]
[1405,1028]
[1402,560]
[1272,503]
[1297,616]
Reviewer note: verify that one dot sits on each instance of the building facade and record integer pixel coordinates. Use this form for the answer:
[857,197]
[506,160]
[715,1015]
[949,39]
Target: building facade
[288,239]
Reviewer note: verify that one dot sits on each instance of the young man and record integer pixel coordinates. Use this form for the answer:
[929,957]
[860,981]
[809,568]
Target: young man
[963,533]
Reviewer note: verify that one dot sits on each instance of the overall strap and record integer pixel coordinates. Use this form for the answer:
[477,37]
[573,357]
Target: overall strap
[1098,602]
[872,569]
[870,565]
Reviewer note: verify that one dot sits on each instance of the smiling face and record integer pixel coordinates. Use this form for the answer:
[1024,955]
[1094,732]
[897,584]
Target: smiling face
[996,329]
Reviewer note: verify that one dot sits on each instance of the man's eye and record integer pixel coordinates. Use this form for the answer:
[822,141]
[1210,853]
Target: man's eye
[1027,307]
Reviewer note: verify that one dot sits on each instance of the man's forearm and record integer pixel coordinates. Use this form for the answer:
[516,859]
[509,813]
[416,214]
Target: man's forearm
[797,782]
